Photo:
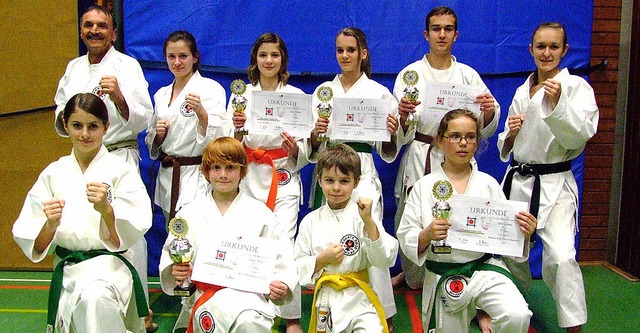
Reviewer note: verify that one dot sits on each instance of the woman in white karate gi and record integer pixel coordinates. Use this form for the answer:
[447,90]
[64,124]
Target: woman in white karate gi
[352,54]
[551,118]
[277,182]
[228,211]
[455,297]
[89,208]
[188,114]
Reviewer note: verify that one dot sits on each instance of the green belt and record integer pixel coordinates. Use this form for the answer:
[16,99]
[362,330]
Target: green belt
[79,256]
[318,196]
[133,144]
[446,269]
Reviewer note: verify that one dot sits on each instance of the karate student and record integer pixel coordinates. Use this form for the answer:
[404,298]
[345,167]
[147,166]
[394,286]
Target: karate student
[439,65]
[489,287]
[188,114]
[551,118]
[118,80]
[336,245]
[273,175]
[89,208]
[228,211]
[354,59]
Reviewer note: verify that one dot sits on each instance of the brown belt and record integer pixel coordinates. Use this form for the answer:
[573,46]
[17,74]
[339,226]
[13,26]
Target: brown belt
[428,139]
[176,162]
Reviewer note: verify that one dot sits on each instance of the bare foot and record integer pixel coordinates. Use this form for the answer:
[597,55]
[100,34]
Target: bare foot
[574,329]
[390,324]
[293,326]
[484,321]
[397,280]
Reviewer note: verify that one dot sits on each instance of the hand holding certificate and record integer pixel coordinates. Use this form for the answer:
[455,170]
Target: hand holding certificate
[276,112]
[245,263]
[486,226]
[442,97]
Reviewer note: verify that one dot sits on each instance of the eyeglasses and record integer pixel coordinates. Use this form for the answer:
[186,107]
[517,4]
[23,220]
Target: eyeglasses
[456,137]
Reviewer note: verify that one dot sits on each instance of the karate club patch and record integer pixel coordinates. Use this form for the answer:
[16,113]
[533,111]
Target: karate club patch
[350,244]
[206,322]
[284,176]
[99,92]
[186,110]
[454,286]
[109,193]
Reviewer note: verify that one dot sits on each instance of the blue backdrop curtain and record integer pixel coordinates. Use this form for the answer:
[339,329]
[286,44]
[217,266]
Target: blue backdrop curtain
[494,39]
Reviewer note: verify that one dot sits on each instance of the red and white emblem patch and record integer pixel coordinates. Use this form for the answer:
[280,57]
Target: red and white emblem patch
[186,110]
[454,286]
[99,92]
[284,176]
[205,320]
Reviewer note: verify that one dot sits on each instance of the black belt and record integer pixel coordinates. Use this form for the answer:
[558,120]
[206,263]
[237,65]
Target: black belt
[535,170]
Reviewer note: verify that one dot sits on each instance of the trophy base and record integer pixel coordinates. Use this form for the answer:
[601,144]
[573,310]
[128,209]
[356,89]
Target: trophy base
[411,122]
[323,139]
[441,249]
[184,291]
[242,132]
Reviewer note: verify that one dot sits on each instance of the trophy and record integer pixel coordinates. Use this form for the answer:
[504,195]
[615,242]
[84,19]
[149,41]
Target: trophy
[324,108]
[239,102]
[442,190]
[181,251]
[410,78]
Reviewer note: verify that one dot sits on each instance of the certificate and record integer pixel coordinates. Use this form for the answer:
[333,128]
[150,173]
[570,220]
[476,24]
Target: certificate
[486,226]
[275,112]
[442,97]
[245,264]
[355,119]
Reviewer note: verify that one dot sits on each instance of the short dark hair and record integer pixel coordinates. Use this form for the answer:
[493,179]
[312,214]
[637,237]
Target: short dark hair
[105,11]
[342,157]
[187,37]
[253,72]
[89,103]
[441,10]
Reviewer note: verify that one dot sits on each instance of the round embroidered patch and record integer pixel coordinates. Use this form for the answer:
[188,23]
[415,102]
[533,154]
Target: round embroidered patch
[99,92]
[284,176]
[186,110]
[454,286]
[206,322]
[109,193]
[350,244]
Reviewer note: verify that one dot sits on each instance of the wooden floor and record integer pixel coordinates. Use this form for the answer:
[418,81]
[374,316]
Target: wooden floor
[613,303]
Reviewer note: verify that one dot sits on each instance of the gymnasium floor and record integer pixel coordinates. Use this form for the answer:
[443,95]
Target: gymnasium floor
[613,303]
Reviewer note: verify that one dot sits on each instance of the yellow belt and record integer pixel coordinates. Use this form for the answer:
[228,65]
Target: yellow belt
[341,281]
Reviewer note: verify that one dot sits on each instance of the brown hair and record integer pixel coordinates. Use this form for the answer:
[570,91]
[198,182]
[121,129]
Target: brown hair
[253,72]
[187,38]
[342,157]
[457,113]
[89,103]
[225,150]
[442,10]
[361,40]
[552,25]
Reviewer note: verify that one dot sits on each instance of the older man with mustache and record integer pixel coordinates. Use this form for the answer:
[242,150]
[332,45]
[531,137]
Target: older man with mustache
[118,80]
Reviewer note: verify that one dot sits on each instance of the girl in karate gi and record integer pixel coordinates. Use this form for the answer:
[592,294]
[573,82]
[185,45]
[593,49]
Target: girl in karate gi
[551,118]
[353,57]
[454,298]
[228,211]
[280,190]
[89,208]
[188,114]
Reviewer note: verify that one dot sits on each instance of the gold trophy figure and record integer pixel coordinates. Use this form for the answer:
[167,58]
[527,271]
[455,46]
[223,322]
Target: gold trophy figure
[442,190]
[325,94]
[410,78]
[239,102]
[181,251]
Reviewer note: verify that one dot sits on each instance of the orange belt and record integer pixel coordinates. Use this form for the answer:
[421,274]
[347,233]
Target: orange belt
[209,291]
[262,156]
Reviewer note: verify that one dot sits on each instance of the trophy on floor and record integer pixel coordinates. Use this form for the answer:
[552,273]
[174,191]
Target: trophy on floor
[325,94]
[239,102]
[410,78]
[180,252]
[442,190]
